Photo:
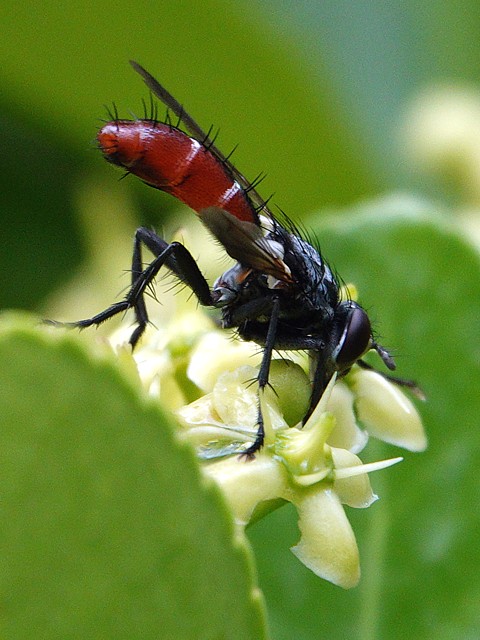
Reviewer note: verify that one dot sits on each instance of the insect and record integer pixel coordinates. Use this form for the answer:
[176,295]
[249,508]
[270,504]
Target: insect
[280,293]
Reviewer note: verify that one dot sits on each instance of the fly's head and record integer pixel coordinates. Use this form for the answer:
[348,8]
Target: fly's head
[353,337]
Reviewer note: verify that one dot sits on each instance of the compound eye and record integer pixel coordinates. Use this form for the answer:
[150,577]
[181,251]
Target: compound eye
[356,338]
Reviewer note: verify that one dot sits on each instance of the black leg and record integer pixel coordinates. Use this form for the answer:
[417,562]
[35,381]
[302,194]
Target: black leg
[321,378]
[174,256]
[400,382]
[263,376]
[156,245]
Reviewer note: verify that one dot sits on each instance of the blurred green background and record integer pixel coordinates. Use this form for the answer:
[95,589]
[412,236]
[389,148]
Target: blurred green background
[318,95]
[313,93]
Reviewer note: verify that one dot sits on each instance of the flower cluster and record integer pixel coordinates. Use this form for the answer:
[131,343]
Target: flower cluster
[207,377]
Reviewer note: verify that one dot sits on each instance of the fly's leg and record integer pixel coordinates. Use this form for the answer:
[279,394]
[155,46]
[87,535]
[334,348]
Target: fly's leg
[263,376]
[400,382]
[175,257]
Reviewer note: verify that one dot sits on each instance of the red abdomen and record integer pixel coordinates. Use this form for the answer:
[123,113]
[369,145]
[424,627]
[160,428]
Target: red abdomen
[168,159]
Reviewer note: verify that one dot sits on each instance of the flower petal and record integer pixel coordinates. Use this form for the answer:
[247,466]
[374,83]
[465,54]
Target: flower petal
[347,434]
[245,484]
[355,491]
[202,427]
[327,546]
[304,452]
[386,411]
[235,399]
[216,353]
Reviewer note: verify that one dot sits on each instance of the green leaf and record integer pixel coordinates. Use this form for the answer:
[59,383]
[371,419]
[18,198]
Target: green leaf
[422,278]
[420,281]
[108,530]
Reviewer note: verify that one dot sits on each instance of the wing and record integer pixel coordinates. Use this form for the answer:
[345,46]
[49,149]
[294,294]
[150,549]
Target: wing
[197,132]
[247,243]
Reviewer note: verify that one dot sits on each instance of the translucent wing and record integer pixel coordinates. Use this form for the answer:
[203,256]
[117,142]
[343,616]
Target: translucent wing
[246,243]
[197,132]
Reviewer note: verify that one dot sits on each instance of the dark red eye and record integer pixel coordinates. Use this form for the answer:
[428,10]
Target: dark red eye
[356,337]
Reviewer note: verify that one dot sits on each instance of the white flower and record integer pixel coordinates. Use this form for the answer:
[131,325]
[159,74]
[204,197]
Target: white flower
[315,467]
[208,378]
[298,465]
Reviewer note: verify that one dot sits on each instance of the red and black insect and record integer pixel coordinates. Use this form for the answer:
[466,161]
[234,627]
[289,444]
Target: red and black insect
[281,292]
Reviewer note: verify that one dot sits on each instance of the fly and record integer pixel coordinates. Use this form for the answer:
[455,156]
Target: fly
[280,294]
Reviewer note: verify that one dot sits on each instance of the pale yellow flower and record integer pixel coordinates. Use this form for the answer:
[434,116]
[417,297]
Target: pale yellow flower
[208,377]
[296,465]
